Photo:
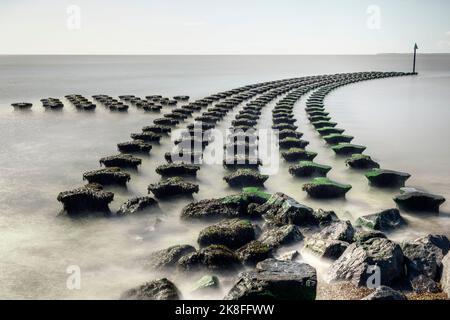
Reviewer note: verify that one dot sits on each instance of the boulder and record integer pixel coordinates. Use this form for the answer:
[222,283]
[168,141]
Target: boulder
[171,187]
[245,177]
[298,154]
[385,220]
[254,252]
[287,133]
[121,161]
[107,176]
[146,136]
[161,289]
[325,218]
[292,142]
[309,169]
[157,129]
[215,257]
[22,105]
[90,197]
[347,149]
[206,283]
[324,124]
[177,169]
[361,161]
[242,161]
[422,284]
[276,280]
[326,248]
[135,146]
[284,126]
[275,237]
[419,201]
[385,293]
[355,264]
[289,256]
[387,178]
[184,157]
[324,188]
[337,138]
[136,205]
[168,258]
[364,235]
[339,230]
[232,233]
[329,130]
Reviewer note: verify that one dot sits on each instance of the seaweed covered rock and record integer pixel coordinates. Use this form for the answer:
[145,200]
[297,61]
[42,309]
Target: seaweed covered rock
[275,237]
[168,258]
[298,154]
[415,200]
[215,257]
[146,136]
[232,233]
[364,235]
[385,293]
[276,280]
[22,105]
[280,209]
[177,169]
[387,178]
[361,161]
[107,176]
[287,133]
[324,188]
[238,161]
[325,218]
[90,197]
[329,130]
[135,146]
[161,289]
[337,138]
[245,177]
[254,252]
[184,156]
[171,187]
[292,142]
[324,124]
[309,169]
[136,205]
[385,220]
[347,149]
[121,161]
[357,262]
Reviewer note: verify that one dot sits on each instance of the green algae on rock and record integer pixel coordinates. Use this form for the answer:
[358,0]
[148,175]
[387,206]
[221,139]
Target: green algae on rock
[329,130]
[309,169]
[336,138]
[326,188]
[231,233]
[298,154]
[107,176]
[177,169]
[387,178]
[323,124]
[292,142]
[245,177]
[254,252]
[347,148]
[172,187]
[361,161]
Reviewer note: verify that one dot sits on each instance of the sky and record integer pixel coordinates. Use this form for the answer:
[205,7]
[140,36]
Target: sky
[223,27]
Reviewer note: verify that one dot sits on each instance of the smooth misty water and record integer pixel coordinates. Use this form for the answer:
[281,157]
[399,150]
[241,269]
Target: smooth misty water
[402,121]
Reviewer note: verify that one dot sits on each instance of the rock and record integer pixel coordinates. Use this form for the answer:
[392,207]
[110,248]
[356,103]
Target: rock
[90,197]
[138,146]
[136,205]
[245,177]
[364,235]
[254,252]
[318,118]
[206,283]
[275,237]
[347,149]
[172,187]
[177,169]
[168,258]
[289,256]
[323,124]
[292,142]
[161,289]
[309,169]
[384,220]
[325,218]
[22,105]
[325,188]
[215,257]
[283,134]
[385,293]
[445,279]
[280,209]
[387,178]
[181,98]
[297,154]
[340,230]
[184,157]
[242,161]
[337,138]
[146,136]
[231,233]
[422,284]
[276,280]
[329,130]
[438,240]
[107,176]
[284,126]
[361,161]
[121,161]
[326,248]
[157,129]
[355,264]
[419,201]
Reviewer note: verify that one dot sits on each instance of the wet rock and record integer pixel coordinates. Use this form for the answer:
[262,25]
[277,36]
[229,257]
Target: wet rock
[121,161]
[231,233]
[384,220]
[387,178]
[339,230]
[206,283]
[419,201]
[309,169]
[364,235]
[287,133]
[276,280]
[146,136]
[168,258]
[323,124]
[136,205]
[356,263]
[385,293]
[245,177]
[329,130]
[289,256]
[171,187]
[298,154]
[181,98]
[107,176]
[422,284]
[324,188]
[184,157]
[445,279]
[90,197]
[326,248]
[254,252]
[292,142]
[161,289]
[135,146]
[275,237]
[177,169]
[361,161]
[325,218]
[336,138]
[242,161]
[347,149]
[157,129]
[215,257]
[318,118]
[281,120]
[284,126]
[22,105]
[166,122]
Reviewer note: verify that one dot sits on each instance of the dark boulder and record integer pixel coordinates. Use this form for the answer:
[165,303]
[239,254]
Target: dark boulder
[415,200]
[275,237]
[135,146]
[90,197]
[168,258]
[171,187]
[361,161]
[337,138]
[22,105]
[254,252]
[146,136]
[326,248]
[177,169]
[347,149]
[232,233]
[384,220]
[387,178]
[329,130]
[107,176]
[298,154]
[292,142]
[245,178]
[215,257]
[121,161]
[385,293]
[136,205]
[324,188]
[309,169]
[283,134]
[364,235]
[161,289]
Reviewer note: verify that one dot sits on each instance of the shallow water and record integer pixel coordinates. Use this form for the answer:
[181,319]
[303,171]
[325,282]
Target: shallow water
[402,121]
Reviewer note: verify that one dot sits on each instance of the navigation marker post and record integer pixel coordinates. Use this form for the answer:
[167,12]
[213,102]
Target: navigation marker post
[414,63]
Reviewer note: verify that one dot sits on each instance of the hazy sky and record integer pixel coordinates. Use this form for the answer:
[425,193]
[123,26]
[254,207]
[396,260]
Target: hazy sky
[223,27]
